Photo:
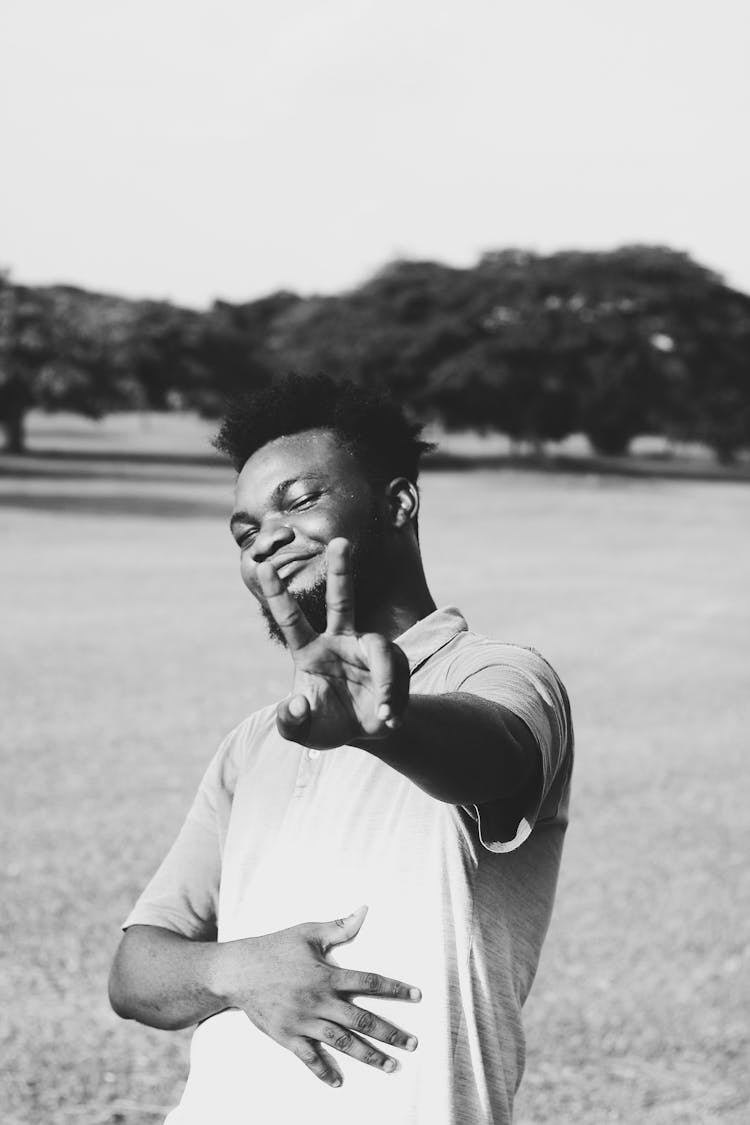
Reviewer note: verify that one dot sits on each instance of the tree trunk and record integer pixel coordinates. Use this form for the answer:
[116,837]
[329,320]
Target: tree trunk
[725,452]
[15,432]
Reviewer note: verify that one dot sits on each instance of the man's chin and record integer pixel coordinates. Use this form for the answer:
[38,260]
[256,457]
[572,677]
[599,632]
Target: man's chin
[308,585]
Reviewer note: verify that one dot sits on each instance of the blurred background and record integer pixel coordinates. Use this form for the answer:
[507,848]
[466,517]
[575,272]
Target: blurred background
[528,224]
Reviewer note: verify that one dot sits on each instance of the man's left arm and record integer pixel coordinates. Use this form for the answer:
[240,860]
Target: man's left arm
[464,750]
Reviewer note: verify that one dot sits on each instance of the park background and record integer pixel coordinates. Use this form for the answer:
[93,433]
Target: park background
[528,228]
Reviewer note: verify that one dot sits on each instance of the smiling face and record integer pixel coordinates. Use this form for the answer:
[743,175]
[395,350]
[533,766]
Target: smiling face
[293,496]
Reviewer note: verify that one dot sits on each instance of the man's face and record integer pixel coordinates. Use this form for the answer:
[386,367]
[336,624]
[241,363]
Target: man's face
[293,496]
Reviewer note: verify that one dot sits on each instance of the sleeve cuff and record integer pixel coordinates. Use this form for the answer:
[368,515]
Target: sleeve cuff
[167,919]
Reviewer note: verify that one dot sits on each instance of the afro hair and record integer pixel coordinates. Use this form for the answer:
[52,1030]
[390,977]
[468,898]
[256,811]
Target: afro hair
[369,424]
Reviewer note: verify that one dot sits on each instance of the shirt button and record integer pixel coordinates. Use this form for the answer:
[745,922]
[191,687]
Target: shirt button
[313,754]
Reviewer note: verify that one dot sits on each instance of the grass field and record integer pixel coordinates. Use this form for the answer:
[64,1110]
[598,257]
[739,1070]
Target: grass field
[130,647]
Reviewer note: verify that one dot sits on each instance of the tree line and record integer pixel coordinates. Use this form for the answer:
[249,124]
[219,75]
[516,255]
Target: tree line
[637,340]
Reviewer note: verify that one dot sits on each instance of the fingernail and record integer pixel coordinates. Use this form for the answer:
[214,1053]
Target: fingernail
[297,707]
[415,994]
[393,724]
[336,1082]
[384,712]
[390,1065]
[411,1043]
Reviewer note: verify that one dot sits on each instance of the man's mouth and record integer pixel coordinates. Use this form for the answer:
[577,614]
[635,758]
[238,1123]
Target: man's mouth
[287,568]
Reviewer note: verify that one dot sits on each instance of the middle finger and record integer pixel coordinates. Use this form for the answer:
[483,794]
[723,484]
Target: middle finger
[349,1044]
[366,1023]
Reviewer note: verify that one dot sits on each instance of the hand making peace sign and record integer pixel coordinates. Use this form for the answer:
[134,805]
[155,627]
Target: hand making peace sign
[347,686]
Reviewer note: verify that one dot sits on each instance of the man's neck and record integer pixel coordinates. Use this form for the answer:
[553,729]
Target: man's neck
[399,611]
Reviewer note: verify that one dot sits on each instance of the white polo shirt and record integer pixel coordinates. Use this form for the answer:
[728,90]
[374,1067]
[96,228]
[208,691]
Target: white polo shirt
[279,835]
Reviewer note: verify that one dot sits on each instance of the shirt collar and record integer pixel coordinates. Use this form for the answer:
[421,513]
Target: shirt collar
[423,639]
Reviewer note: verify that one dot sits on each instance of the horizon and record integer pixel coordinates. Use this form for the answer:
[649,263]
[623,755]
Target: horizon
[316,294]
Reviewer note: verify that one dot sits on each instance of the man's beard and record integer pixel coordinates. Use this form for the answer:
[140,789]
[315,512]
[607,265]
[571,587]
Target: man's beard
[368,579]
[311,601]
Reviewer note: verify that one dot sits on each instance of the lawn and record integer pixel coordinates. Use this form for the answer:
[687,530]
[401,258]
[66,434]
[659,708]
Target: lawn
[130,647]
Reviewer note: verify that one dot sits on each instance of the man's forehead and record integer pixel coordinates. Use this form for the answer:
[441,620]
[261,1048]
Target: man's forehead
[317,454]
[308,449]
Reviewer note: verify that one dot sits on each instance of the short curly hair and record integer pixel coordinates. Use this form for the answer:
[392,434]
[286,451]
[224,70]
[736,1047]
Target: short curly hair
[370,425]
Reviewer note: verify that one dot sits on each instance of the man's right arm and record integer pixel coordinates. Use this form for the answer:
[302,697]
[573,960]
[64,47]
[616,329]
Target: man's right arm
[283,981]
[163,979]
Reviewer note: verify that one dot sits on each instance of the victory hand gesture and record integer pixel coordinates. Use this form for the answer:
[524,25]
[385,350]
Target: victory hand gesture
[347,686]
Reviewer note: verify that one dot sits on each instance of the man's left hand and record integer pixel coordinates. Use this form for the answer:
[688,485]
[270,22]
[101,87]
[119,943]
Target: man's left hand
[347,686]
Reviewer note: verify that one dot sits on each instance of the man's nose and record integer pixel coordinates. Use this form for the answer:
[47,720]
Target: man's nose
[273,534]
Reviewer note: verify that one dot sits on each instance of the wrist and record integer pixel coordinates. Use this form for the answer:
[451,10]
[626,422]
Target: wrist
[234,970]
[220,980]
[380,745]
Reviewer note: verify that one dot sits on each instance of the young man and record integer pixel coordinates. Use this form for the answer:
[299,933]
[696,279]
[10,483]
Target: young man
[414,766]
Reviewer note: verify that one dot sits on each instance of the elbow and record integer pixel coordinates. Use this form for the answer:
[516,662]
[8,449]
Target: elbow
[131,999]
[130,1004]
[123,985]
[119,1000]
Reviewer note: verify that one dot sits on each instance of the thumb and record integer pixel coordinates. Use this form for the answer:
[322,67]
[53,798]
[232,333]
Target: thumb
[293,718]
[342,930]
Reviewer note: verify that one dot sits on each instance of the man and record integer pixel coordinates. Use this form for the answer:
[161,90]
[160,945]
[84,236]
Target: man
[415,767]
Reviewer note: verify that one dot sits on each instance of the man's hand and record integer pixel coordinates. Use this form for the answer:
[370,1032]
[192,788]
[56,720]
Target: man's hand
[290,988]
[347,686]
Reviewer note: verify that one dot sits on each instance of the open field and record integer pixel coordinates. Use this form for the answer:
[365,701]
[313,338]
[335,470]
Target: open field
[129,647]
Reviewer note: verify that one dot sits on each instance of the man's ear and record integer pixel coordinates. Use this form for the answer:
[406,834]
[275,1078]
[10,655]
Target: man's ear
[403,501]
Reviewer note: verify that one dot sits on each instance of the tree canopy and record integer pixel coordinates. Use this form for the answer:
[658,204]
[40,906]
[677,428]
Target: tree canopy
[613,344]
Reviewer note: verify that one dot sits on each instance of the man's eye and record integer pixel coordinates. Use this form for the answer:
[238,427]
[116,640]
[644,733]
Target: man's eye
[303,501]
[247,537]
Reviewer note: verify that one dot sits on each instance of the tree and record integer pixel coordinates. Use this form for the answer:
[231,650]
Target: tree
[57,352]
[612,344]
[234,350]
[642,339]
[709,392]
[24,348]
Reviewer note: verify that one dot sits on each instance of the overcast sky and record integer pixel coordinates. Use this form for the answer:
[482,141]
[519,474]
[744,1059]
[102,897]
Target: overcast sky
[191,149]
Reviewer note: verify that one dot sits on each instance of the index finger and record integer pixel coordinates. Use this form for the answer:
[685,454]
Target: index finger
[374,984]
[340,588]
[297,630]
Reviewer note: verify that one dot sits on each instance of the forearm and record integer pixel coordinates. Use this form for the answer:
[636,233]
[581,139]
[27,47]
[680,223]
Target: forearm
[461,749]
[163,979]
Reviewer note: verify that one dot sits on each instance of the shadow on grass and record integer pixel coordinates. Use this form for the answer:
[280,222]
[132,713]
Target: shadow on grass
[104,469]
[114,504]
[137,457]
[183,470]
[655,468]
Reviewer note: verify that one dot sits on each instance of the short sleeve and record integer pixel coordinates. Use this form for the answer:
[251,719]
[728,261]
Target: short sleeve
[523,682]
[183,894]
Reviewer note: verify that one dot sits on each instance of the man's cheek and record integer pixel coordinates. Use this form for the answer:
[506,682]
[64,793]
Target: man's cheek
[250,580]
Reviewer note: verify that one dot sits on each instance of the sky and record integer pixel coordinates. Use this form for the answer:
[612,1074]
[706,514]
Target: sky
[193,150]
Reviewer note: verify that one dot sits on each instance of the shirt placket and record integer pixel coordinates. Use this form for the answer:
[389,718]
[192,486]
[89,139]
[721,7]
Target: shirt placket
[308,766]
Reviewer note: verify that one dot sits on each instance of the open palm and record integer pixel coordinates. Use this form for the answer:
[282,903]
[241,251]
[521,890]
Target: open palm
[347,686]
